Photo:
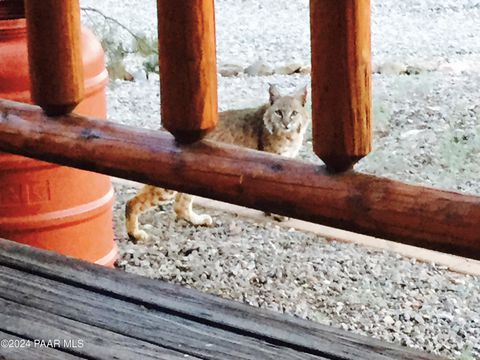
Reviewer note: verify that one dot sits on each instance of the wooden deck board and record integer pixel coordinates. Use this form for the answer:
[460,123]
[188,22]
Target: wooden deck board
[136,321]
[19,348]
[169,316]
[77,338]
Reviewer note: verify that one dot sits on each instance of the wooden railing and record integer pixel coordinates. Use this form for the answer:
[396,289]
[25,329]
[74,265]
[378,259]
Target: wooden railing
[341,96]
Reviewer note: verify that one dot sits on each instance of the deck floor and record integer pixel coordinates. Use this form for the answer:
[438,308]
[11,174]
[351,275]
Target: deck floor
[53,307]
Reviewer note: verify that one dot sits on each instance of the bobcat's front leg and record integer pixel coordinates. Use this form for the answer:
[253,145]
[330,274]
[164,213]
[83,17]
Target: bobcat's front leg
[148,197]
[183,209]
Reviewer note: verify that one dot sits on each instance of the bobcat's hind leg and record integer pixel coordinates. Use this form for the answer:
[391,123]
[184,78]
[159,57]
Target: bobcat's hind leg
[148,197]
[183,209]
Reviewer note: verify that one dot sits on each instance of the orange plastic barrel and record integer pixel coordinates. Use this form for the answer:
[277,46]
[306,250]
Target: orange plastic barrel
[53,207]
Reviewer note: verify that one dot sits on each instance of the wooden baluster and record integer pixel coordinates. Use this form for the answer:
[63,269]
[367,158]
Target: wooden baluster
[341,81]
[188,70]
[54,49]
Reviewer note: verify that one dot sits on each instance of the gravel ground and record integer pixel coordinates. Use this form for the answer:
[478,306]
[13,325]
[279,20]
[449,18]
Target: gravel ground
[278,31]
[426,131]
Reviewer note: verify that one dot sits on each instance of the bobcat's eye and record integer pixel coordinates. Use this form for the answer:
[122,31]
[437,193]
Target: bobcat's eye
[294,113]
[279,113]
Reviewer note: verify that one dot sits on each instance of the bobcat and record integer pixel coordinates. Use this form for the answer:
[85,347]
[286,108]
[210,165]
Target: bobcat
[277,127]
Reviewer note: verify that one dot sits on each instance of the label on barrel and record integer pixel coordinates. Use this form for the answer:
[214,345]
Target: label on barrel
[25,194]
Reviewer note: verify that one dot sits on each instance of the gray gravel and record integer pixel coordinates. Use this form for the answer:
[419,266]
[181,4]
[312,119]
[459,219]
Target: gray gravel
[278,31]
[426,131]
[373,293]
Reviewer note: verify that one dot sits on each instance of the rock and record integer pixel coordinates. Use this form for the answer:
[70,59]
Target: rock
[288,69]
[388,320]
[127,76]
[230,70]
[410,133]
[139,75]
[414,70]
[259,68]
[454,67]
[306,69]
[391,68]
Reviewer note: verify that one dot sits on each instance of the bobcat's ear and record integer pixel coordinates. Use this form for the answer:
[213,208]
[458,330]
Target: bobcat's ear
[301,95]
[274,94]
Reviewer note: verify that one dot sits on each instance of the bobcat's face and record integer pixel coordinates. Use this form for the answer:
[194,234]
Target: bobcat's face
[286,114]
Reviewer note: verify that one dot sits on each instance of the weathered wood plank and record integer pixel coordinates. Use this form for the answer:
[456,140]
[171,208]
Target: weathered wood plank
[419,216]
[206,309]
[137,321]
[341,81]
[91,342]
[188,67]
[54,52]
[18,348]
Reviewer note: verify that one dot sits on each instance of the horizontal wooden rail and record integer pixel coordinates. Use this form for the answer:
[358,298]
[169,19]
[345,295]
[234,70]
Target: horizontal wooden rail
[425,217]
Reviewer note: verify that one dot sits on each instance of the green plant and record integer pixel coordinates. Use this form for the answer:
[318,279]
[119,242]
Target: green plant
[459,148]
[466,355]
[382,113]
[147,48]
[116,51]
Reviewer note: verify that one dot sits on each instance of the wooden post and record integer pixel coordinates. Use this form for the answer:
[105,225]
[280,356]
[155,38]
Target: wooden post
[415,215]
[54,50]
[341,81]
[188,70]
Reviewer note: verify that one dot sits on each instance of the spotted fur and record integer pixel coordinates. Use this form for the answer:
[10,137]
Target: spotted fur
[277,127]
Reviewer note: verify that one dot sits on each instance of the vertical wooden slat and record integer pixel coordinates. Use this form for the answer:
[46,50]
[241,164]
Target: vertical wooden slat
[341,81]
[54,48]
[188,71]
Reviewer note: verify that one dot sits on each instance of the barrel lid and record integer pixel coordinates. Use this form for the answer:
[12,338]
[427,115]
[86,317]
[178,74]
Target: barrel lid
[12,9]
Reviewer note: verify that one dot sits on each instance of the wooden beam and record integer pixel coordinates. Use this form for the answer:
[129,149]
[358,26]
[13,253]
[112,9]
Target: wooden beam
[188,67]
[55,57]
[420,216]
[341,81]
